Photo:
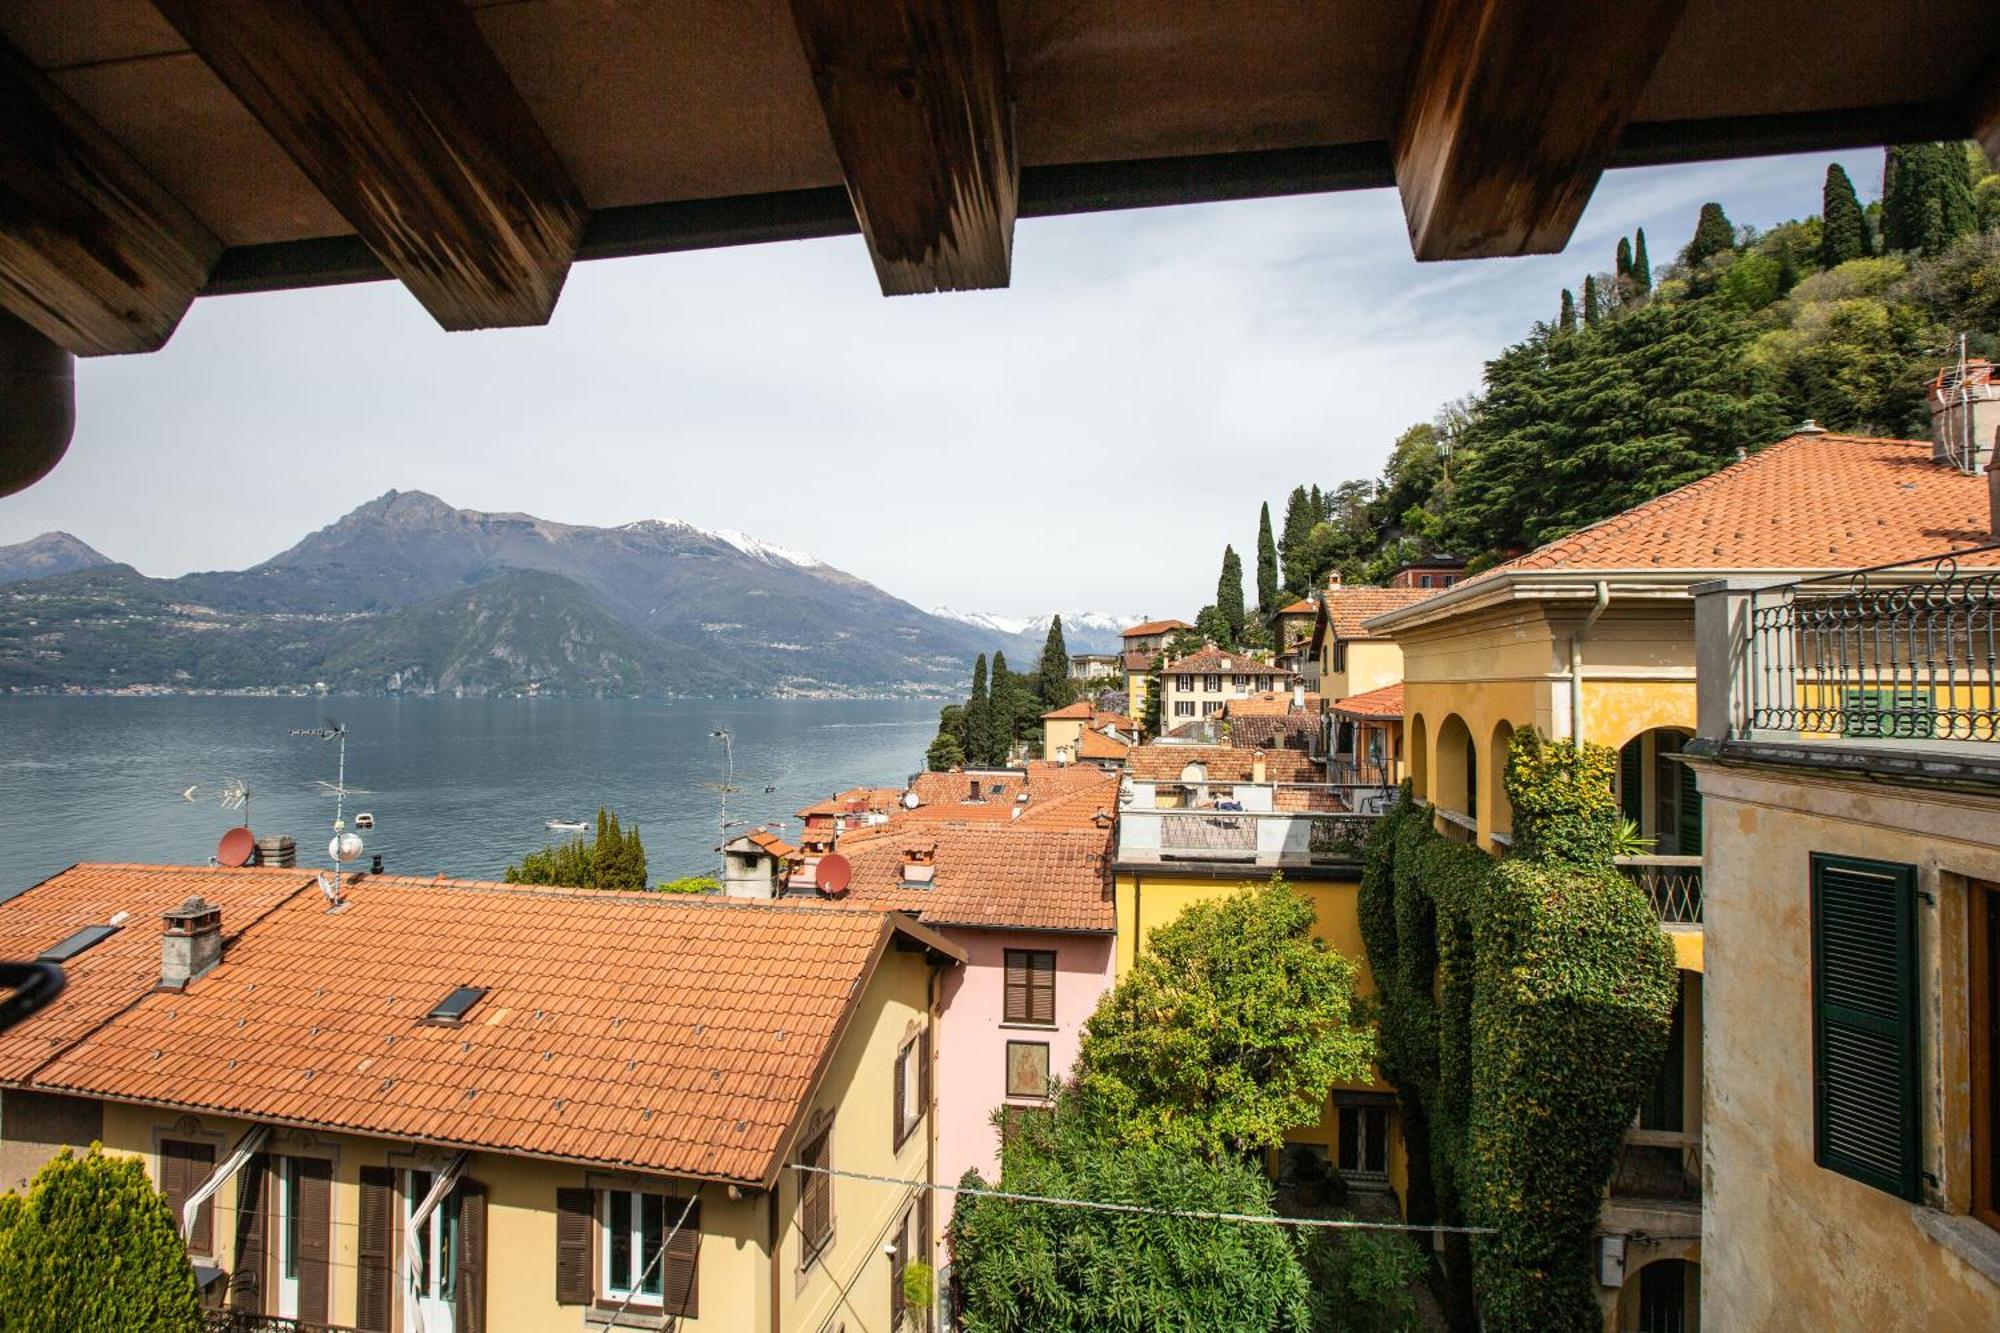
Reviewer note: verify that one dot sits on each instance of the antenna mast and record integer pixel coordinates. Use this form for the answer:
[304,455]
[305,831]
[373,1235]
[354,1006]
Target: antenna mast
[344,846]
[722,789]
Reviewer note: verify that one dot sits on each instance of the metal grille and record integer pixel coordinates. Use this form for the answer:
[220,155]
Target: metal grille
[237,1321]
[1897,652]
[1672,883]
[1208,833]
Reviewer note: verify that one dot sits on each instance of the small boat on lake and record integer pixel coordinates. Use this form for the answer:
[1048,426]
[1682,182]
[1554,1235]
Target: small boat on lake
[566,825]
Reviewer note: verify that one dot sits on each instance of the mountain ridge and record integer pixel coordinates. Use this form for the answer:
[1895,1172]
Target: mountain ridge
[46,555]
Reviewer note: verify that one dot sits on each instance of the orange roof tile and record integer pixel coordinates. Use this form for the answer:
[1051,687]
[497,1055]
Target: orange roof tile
[1082,708]
[875,800]
[1097,745]
[1348,607]
[1225,763]
[1385,702]
[1154,627]
[1214,660]
[1007,878]
[650,1031]
[771,844]
[1305,606]
[1267,703]
[1136,660]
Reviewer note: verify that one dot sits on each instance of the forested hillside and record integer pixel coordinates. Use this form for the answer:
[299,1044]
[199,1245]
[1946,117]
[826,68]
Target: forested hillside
[1647,377]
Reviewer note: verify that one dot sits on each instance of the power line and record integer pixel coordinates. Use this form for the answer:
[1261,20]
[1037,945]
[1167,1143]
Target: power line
[1014,1196]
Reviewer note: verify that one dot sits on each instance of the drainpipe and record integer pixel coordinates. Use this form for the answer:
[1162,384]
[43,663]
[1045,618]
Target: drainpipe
[1576,639]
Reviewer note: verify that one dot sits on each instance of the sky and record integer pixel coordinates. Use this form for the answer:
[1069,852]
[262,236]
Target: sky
[1086,440]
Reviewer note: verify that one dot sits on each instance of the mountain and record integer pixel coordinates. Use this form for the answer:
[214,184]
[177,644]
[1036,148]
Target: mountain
[43,557]
[407,593]
[1083,631]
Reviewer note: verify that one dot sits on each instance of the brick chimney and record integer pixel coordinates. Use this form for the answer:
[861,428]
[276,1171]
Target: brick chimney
[192,944]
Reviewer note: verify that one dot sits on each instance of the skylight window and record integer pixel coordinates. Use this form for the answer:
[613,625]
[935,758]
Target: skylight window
[453,1007]
[66,949]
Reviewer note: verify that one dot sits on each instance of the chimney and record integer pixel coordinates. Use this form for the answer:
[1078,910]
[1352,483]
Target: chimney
[1257,766]
[278,850]
[1333,579]
[1965,409]
[1298,696]
[192,944]
[1808,427]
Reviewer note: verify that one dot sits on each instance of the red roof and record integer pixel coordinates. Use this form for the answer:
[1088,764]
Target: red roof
[1213,660]
[1386,702]
[1155,627]
[1082,709]
[1224,763]
[1348,607]
[1305,606]
[987,877]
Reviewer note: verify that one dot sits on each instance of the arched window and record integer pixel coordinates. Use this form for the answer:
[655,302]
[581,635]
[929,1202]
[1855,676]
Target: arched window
[1502,816]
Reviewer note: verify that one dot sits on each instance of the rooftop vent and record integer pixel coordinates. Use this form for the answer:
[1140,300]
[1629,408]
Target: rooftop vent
[453,1007]
[69,947]
[1809,427]
[192,944]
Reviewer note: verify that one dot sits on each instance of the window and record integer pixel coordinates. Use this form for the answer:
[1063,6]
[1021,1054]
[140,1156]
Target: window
[71,945]
[1184,708]
[1210,707]
[637,1261]
[1184,682]
[1212,684]
[910,1241]
[1364,1142]
[453,1007]
[1031,987]
[816,1196]
[1240,681]
[1983,902]
[1028,1069]
[436,1242]
[184,1167]
[912,1085]
[1899,714]
[1864,1014]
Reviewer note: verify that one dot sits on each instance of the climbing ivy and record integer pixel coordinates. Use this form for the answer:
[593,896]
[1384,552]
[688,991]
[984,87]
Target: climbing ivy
[1525,1007]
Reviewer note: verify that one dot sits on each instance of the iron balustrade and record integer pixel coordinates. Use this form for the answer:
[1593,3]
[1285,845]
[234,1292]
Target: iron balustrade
[1672,883]
[1901,652]
[1261,837]
[239,1321]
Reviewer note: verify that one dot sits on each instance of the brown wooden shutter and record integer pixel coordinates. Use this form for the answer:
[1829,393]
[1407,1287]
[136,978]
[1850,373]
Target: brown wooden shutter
[183,1168]
[817,1193]
[469,1310]
[246,1274]
[899,1259]
[1042,987]
[575,1215]
[314,1202]
[924,1071]
[373,1283]
[1016,1008]
[683,1262]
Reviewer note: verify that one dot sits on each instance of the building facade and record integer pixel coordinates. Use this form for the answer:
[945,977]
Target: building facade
[1200,684]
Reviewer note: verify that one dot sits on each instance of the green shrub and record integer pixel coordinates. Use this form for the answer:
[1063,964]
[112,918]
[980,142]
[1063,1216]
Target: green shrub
[613,858]
[93,1248]
[1364,1282]
[691,884]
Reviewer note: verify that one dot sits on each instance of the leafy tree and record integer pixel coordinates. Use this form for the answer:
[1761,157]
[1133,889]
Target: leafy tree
[1592,304]
[945,753]
[1566,316]
[1301,513]
[613,858]
[1229,593]
[1150,717]
[1926,197]
[92,1245]
[1229,1030]
[1714,234]
[1054,687]
[1213,627]
[1843,231]
[1642,267]
[1267,565]
[951,721]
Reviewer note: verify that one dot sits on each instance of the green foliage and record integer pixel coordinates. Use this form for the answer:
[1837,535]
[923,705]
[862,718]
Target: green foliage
[1229,1029]
[1566,313]
[93,1246]
[1213,626]
[1267,565]
[1364,1282]
[1525,1008]
[1843,229]
[1623,263]
[1301,513]
[1752,281]
[1714,234]
[613,858]
[1029,1268]
[1229,594]
[978,715]
[945,753]
[691,884]
[1015,700]
[919,1285]
[1927,200]
[1642,267]
[1053,686]
[1593,304]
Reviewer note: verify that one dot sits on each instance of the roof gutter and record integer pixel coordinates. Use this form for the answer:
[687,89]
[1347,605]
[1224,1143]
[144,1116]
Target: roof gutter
[1576,638]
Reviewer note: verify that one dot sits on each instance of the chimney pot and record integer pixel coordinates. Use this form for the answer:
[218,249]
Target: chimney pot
[192,943]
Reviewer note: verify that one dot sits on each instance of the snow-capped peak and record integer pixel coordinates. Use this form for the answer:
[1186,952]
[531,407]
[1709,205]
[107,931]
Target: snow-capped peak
[755,547]
[1103,621]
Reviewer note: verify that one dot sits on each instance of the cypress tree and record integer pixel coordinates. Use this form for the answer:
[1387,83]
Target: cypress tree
[1590,302]
[1318,506]
[1229,593]
[1267,564]
[1053,685]
[978,716]
[1843,231]
[1642,267]
[1299,520]
[1713,234]
[1624,260]
[1566,317]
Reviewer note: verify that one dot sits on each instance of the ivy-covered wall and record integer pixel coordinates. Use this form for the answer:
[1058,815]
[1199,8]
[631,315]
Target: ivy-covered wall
[1525,1009]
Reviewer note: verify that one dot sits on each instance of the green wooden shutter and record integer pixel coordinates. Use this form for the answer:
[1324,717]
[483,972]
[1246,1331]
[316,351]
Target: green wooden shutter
[1865,1022]
[1631,780]
[1663,1107]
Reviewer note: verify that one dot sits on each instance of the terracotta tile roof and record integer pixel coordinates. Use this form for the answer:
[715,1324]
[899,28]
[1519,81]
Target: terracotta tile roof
[1305,606]
[1267,703]
[1082,709]
[1287,731]
[112,973]
[1225,763]
[876,800]
[1006,878]
[1806,502]
[1154,627]
[1097,745]
[771,844]
[649,1031]
[1348,607]
[1216,660]
[1138,661]
[1385,702]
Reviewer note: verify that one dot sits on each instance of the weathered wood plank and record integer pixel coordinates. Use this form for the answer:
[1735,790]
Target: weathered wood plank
[1511,113]
[401,115]
[915,96]
[94,254]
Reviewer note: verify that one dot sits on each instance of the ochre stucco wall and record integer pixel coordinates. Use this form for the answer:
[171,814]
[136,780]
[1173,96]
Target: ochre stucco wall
[1790,1245]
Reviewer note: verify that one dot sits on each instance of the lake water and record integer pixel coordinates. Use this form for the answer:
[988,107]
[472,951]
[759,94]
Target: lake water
[456,786]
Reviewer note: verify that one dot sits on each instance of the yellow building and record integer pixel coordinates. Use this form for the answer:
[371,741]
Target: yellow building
[1593,636]
[1143,645]
[480,1107]
[1343,656]
[1200,822]
[1081,732]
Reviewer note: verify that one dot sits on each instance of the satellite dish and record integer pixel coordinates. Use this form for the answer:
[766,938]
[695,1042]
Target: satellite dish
[236,848]
[344,847]
[911,800]
[834,873]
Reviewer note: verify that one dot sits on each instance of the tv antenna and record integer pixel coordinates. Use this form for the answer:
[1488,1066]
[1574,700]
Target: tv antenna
[723,788]
[345,845]
[233,794]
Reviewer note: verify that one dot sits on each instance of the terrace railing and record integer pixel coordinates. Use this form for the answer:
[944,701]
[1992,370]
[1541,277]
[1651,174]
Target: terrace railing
[237,1321]
[1898,653]
[1673,883]
[1273,838]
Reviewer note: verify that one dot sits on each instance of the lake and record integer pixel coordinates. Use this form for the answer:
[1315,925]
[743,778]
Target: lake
[458,786]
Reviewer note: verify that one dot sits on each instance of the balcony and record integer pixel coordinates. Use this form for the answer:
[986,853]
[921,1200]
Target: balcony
[1273,838]
[1867,669]
[1672,883]
[237,1321]
[1657,1167]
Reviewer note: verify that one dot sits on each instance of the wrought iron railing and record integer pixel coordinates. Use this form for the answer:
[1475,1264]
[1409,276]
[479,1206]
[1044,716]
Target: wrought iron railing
[1904,652]
[1208,832]
[1673,883]
[1263,837]
[237,1321]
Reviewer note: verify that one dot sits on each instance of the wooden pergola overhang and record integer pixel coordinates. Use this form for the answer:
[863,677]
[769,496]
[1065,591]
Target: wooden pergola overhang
[153,151]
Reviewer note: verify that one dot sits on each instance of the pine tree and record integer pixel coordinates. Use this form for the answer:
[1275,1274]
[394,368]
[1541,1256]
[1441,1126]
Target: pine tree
[1229,594]
[1566,317]
[978,715]
[1300,518]
[1590,300]
[1713,234]
[1267,565]
[1642,267]
[1843,231]
[1053,687]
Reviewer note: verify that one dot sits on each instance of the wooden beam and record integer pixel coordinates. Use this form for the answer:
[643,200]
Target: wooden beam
[403,117]
[94,254]
[915,96]
[1981,104]
[1511,113]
